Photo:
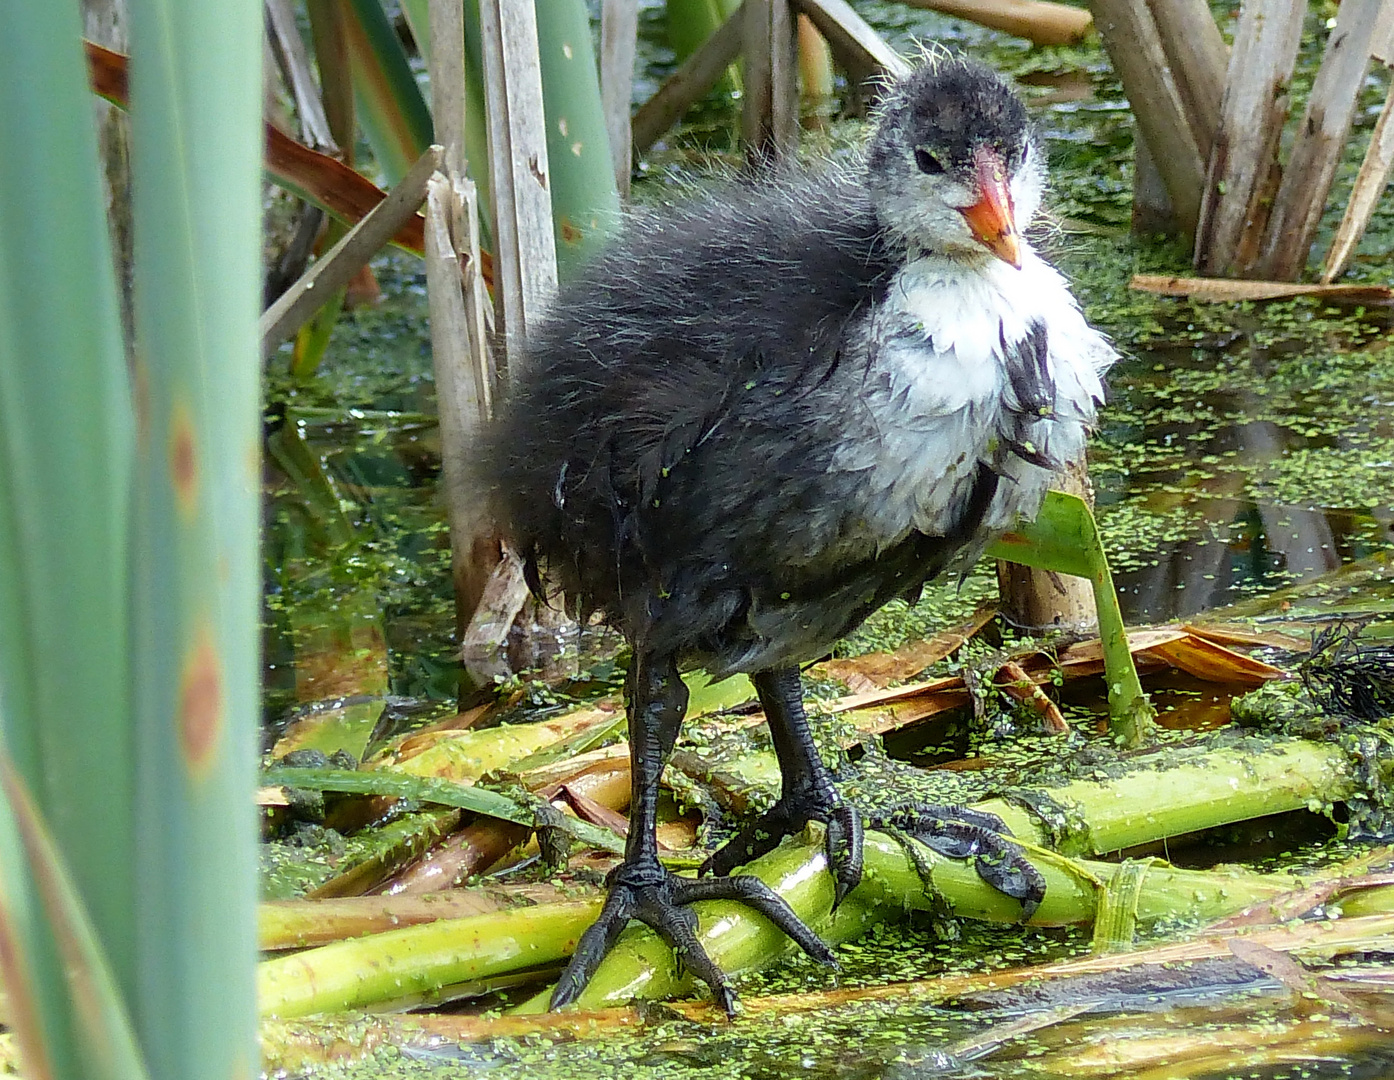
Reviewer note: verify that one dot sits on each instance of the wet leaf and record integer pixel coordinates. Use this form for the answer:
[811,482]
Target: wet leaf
[872,671]
[469,754]
[1215,663]
[477,800]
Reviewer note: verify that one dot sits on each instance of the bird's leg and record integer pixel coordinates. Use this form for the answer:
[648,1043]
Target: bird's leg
[640,887]
[961,833]
[808,792]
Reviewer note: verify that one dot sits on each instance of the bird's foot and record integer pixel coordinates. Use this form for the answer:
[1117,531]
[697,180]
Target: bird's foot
[843,842]
[961,833]
[644,890]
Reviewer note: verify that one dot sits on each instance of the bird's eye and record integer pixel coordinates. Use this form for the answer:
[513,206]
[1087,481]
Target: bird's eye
[928,163]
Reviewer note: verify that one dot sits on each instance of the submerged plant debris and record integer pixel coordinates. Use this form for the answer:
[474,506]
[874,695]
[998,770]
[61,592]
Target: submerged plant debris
[1348,678]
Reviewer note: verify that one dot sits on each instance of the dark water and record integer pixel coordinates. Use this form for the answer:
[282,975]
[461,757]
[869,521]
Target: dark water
[1231,469]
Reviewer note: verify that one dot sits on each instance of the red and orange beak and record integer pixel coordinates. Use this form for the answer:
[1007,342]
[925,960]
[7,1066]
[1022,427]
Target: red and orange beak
[990,218]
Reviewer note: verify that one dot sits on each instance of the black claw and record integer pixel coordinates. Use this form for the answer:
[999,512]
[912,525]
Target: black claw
[843,843]
[725,997]
[754,893]
[661,901]
[844,848]
[758,838]
[677,926]
[1008,871]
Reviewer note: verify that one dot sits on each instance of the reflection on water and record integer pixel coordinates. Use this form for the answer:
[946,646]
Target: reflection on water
[1268,546]
[1264,475]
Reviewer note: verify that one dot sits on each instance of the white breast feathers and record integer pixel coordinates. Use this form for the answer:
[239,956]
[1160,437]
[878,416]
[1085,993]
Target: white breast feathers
[969,366]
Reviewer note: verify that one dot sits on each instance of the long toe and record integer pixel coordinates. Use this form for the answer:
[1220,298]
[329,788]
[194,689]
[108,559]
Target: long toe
[758,838]
[843,844]
[676,924]
[598,939]
[754,893]
[1008,871]
[946,829]
[659,899]
[787,816]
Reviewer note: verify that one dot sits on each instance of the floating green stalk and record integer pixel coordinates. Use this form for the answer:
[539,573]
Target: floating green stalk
[1224,785]
[419,959]
[643,967]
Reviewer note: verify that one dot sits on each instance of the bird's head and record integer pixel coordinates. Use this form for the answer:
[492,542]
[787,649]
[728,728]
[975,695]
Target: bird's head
[953,164]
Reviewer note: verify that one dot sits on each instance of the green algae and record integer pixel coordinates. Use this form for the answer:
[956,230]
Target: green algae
[921,948]
[374,529]
[945,602]
[292,867]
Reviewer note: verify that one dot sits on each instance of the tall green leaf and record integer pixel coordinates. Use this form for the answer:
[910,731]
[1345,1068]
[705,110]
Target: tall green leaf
[690,22]
[585,203]
[104,1040]
[391,109]
[65,457]
[336,93]
[196,155]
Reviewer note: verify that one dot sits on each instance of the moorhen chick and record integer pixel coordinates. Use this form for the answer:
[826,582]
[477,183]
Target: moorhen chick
[757,417]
